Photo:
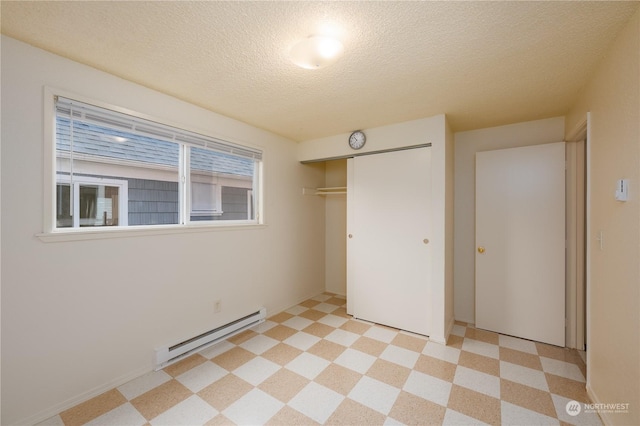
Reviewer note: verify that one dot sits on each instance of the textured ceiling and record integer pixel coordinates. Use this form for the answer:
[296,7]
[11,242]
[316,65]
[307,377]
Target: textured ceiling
[481,63]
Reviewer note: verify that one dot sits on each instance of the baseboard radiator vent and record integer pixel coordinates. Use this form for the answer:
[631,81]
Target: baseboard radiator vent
[171,354]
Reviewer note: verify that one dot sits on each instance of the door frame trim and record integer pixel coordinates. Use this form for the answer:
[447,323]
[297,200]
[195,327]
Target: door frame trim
[577,312]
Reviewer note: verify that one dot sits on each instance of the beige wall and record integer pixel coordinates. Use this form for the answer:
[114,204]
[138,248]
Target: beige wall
[442,173]
[466,145]
[79,317]
[336,229]
[613,342]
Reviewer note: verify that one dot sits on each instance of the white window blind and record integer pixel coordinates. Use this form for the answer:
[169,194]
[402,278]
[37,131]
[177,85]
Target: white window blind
[79,111]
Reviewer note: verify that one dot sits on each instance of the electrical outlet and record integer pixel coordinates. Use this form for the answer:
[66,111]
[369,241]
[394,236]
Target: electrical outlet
[217,306]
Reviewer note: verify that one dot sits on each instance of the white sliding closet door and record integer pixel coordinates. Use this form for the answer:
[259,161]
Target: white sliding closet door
[388,226]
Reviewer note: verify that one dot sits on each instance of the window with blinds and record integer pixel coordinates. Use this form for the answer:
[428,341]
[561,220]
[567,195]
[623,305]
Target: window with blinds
[114,169]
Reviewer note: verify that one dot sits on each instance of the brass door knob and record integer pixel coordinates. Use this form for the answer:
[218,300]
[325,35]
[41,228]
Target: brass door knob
[481,250]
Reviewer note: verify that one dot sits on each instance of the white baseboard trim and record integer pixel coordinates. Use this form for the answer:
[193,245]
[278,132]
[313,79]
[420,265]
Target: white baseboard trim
[83,397]
[442,339]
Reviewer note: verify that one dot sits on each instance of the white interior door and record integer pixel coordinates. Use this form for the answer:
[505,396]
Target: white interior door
[388,267]
[520,238]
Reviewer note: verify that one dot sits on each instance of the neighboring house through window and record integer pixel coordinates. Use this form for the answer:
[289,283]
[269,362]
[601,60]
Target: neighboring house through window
[205,199]
[114,169]
[91,201]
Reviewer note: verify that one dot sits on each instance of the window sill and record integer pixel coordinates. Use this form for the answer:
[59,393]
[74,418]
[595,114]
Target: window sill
[128,232]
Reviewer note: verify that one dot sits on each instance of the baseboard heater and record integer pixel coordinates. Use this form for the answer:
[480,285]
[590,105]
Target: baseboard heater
[170,354]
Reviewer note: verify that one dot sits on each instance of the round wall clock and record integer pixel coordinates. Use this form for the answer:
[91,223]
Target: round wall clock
[357,139]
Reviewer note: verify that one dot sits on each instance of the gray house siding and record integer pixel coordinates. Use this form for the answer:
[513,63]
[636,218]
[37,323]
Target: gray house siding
[153,202]
[88,139]
[234,205]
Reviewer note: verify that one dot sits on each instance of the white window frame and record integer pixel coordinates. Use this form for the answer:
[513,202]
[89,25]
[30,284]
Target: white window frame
[79,180]
[53,234]
[250,206]
[216,190]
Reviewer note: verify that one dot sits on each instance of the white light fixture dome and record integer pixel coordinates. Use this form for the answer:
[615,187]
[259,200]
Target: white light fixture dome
[316,52]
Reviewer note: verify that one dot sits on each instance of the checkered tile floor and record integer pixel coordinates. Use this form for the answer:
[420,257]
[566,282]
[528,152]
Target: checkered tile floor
[314,364]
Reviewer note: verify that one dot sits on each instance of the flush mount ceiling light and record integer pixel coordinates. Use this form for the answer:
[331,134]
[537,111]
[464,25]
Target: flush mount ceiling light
[316,52]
